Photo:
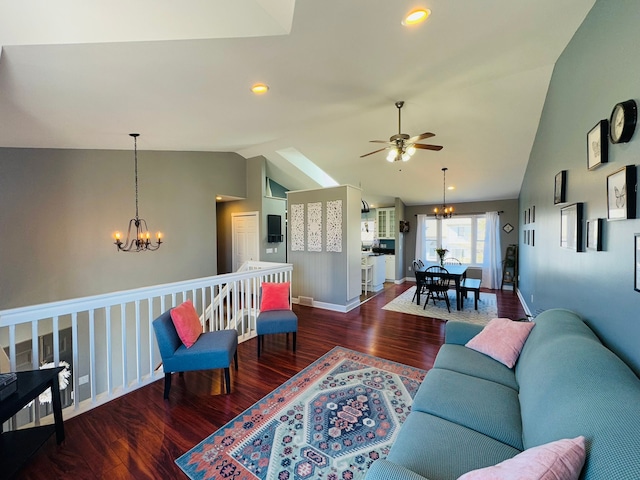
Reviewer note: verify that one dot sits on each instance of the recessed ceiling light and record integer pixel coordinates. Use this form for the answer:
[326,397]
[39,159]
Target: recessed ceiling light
[260,88]
[416,16]
[451,187]
[218,197]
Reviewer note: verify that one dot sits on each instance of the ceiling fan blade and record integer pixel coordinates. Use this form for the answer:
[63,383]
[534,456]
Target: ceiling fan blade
[422,146]
[422,136]
[371,153]
[381,141]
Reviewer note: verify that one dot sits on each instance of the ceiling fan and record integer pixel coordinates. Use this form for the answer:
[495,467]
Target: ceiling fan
[401,146]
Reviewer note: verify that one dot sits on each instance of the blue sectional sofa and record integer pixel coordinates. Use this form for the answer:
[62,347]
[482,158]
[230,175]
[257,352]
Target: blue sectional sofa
[472,411]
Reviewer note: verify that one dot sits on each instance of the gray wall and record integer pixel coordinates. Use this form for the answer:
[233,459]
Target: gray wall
[401,254]
[599,68]
[329,277]
[509,214]
[59,209]
[256,201]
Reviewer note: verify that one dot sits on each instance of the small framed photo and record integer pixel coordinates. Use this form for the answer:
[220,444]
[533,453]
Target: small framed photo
[597,145]
[571,227]
[621,194]
[594,234]
[636,283]
[560,189]
[533,214]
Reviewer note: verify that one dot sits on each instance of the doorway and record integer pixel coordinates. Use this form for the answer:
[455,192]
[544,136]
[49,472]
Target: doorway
[245,238]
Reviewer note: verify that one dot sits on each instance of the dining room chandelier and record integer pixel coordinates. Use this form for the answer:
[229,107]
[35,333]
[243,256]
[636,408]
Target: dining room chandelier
[444,211]
[138,236]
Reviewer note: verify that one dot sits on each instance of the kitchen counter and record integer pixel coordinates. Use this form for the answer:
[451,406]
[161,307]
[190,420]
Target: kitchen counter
[378,273]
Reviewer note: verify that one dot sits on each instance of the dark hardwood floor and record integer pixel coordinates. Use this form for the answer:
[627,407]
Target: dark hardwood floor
[140,435]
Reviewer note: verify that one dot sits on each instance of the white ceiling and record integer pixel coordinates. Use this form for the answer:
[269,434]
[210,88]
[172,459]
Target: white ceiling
[78,74]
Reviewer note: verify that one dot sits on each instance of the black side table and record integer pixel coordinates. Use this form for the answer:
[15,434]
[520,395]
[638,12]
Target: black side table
[18,445]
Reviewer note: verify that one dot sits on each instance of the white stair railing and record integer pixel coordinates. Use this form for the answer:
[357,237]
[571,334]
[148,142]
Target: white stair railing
[108,339]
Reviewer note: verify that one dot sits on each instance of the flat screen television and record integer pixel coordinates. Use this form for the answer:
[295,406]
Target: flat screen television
[274,228]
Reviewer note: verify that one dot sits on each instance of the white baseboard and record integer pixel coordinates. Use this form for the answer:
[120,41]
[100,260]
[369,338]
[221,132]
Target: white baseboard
[332,306]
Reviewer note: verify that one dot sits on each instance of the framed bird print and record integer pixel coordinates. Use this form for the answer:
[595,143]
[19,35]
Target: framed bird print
[597,145]
[636,242]
[571,227]
[560,188]
[621,194]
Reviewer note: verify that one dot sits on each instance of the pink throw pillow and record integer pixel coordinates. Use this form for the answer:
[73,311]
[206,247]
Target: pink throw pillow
[559,460]
[502,339]
[275,296]
[187,323]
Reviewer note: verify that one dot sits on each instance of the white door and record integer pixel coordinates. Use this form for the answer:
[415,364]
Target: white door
[245,238]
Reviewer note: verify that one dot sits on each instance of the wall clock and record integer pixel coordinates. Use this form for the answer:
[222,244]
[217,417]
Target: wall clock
[623,121]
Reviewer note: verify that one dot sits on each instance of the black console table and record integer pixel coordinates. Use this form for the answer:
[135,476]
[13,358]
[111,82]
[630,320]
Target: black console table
[18,445]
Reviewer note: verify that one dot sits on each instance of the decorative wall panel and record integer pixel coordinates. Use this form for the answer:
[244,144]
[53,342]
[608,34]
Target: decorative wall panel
[297,227]
[314,227]
[334,226]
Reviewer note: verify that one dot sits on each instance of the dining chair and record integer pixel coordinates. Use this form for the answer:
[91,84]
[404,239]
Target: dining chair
[437,283]
[275,314]
[211,350]
[451,261]
[419,284]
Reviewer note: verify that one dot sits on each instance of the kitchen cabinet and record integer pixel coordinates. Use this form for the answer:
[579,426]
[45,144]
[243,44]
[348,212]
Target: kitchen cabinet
[386,222]
[390,267]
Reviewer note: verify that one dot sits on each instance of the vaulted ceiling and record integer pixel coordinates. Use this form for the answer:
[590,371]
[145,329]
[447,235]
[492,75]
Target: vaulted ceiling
[77,74]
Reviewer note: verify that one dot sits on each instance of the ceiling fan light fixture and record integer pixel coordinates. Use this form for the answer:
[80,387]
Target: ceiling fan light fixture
[416,16]
[405,157]
[260,88]
[411,150]
[391,157]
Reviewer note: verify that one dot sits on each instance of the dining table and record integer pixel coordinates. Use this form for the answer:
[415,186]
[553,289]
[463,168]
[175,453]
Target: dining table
[457,273]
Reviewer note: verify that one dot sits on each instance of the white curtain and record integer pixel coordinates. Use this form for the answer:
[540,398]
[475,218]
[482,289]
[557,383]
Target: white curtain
[421,238]
[492,267]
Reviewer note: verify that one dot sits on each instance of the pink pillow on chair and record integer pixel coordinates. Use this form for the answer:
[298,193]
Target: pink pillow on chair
[187,323]
[275,296]
[502,339]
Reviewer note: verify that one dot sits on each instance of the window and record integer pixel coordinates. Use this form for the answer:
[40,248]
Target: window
[462,235]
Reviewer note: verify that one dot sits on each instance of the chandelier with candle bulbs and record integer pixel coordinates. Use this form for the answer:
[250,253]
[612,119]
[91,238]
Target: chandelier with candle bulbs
[444,211]
[138,236]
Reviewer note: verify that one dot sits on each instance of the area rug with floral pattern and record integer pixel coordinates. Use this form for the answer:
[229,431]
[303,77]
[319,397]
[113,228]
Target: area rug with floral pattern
[330,421]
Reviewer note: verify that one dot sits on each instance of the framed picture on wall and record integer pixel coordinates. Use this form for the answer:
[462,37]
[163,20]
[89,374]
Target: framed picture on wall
[594,234]
[571,227]
[621,194]
[560,188]
[597,145]
[636,284]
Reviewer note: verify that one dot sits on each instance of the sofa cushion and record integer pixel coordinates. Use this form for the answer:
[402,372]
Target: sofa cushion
[442,450]
[502,339]
[187,323]
[559,460]
[464,360]
[484,406]
[571,385]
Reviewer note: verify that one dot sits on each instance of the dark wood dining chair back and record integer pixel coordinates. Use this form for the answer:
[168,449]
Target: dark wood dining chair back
[419,285]
[437,282]
[451,261]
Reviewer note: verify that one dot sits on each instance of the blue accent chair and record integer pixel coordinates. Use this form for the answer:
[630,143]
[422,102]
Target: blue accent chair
[211,350]
[276,321]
